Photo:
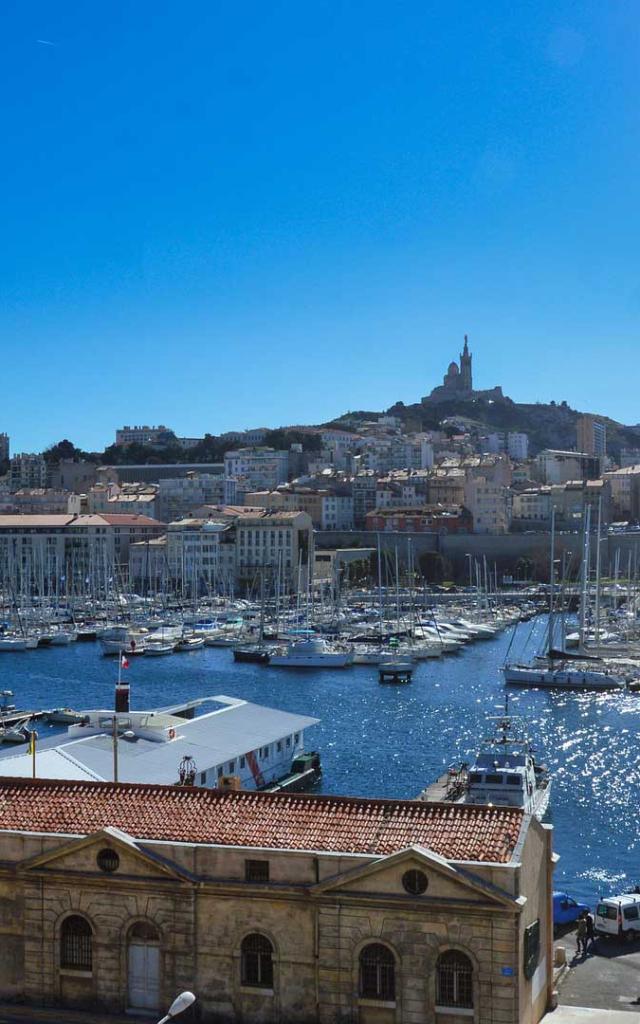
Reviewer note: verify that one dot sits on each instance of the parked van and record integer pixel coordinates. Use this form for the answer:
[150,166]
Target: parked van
[619,915]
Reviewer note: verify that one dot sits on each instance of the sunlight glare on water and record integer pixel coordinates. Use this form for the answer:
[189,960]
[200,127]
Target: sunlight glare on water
[391,741]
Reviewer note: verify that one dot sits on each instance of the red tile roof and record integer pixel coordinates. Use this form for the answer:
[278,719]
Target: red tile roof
[279,821]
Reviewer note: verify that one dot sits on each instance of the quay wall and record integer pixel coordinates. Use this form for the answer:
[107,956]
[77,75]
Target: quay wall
[503,550]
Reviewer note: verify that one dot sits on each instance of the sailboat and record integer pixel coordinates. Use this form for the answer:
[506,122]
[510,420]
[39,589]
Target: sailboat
[558,669]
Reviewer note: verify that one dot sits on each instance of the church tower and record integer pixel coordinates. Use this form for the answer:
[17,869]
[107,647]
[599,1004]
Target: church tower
[466,379]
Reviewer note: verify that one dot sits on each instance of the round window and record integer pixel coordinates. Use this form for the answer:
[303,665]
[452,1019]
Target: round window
[108,860]
[415,882]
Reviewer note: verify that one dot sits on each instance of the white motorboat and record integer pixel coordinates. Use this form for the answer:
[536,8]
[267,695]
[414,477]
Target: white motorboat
[63,716]
[189,643]
[157,648]
[504,773]
[312,653]
[62,637]
[122,640]
[13,643]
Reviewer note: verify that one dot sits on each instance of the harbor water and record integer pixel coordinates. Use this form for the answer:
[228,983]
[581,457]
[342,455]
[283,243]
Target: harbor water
[391,741]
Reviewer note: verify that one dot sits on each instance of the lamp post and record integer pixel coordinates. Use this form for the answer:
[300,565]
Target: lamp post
[179,1005]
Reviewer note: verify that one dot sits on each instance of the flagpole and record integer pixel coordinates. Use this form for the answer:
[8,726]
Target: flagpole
[34,737]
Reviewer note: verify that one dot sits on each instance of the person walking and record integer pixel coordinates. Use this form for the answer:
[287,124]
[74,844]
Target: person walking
[581,935]
[591,931]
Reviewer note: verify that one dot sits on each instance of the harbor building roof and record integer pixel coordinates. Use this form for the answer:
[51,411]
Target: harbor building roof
[156,741]
[462,832]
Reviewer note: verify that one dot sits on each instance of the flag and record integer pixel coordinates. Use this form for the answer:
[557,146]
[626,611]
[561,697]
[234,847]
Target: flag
[125,661]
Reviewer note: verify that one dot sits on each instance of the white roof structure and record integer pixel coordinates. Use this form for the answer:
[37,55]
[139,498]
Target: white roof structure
[151,744]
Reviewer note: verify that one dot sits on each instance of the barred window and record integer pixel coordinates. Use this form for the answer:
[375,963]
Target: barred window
[377,973]
[75,943]
[454,980]
[256,954]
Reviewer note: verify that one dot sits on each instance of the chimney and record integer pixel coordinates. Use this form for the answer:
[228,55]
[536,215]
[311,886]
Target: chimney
[122,697]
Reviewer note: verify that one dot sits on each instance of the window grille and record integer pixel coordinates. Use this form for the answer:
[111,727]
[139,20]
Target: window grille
[377,973]
[257,961]
[76,944]
[454,980]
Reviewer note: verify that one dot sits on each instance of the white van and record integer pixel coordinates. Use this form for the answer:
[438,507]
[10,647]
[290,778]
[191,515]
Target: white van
[619,915]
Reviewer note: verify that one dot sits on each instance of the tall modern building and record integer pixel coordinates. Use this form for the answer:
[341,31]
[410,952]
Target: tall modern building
[591,436]
[4,447]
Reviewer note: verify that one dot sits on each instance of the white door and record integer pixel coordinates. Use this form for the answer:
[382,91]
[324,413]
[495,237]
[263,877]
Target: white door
[144,976]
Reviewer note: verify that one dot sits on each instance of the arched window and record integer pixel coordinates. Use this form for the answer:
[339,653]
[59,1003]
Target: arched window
[377,973]
[454,980]
[257,961]
[75,943]
[143,931]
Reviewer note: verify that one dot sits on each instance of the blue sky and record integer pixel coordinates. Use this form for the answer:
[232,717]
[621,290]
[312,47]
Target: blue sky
[222,215]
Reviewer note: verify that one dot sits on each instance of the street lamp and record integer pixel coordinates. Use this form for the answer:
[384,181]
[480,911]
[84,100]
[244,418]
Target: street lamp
[179,1004]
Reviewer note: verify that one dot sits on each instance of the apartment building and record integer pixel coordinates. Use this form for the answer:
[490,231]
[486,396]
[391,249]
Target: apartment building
[490,505]
[532,505]
[27,470]
[328,509]
[625,492]
[278,541]
[591,436]
[41,500]
[558,467]
[179,496]
[48,546]
[151,436]
[256,469]
[197,559]
[5,447]
[440,519]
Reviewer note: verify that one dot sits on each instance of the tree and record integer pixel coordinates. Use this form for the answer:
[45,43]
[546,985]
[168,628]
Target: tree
[63,450]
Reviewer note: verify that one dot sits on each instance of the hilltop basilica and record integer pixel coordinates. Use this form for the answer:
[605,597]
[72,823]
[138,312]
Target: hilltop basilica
[458,382]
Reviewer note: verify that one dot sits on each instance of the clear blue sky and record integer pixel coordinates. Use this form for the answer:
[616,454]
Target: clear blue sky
[229,214]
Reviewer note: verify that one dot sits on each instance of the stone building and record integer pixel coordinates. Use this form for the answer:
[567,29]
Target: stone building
[273,907]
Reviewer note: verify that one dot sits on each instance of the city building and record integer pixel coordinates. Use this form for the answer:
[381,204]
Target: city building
[154,437]
[27,470]
[440,519]
[275,543]
[36,549]
[153,472]
[625,492]
[179,496]
[43,500]
[328,509]
[364,491]
[518,446]
[591,436]
[271,907]
[148,569]
[197,560]
[532,506]
[5,448]
[73,476]
[256,469]
[490,505]
[558,467]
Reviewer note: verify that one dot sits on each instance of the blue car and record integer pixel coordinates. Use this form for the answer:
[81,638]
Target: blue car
[566,910]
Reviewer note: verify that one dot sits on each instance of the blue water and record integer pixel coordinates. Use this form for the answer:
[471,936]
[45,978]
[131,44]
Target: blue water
[390,741]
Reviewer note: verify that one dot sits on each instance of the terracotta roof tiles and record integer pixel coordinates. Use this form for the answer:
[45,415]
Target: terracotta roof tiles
[278,821]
